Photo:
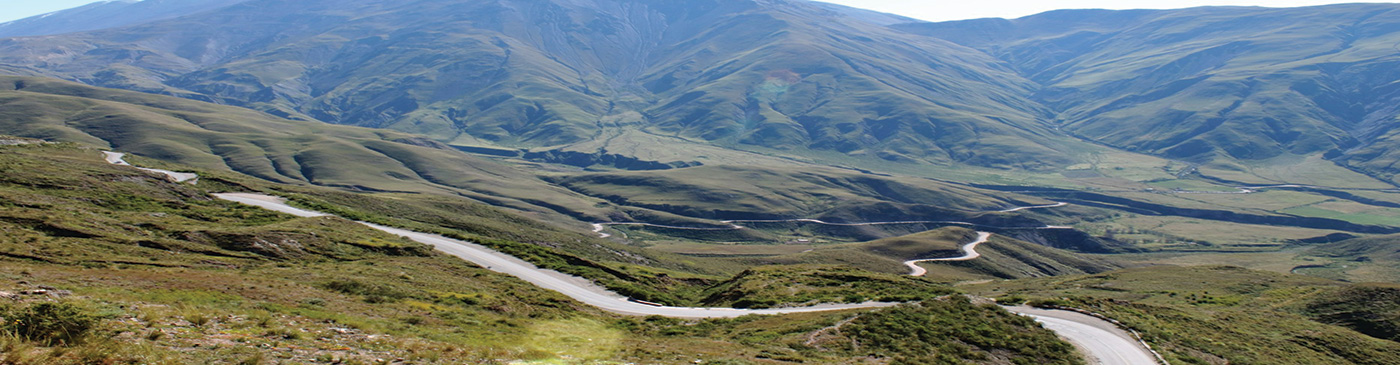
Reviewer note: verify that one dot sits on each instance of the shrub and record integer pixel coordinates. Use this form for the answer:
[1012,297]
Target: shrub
[955,331]
[1011,299]
[1049,303]
[49,323]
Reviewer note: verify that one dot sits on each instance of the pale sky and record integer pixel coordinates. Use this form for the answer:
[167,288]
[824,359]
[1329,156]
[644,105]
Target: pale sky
[932,10]
[19,9]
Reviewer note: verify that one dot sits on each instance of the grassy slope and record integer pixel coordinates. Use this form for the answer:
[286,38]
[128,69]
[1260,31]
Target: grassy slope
[173,276]
[1377,159]
[152,257]
[1373,309]
[1213,314]
[215,137]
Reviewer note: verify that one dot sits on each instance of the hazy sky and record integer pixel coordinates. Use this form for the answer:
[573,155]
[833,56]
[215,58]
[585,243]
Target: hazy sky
[934,10]
[17,9]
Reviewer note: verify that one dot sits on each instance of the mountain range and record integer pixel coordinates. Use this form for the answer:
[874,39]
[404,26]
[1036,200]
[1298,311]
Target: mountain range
[1201,85]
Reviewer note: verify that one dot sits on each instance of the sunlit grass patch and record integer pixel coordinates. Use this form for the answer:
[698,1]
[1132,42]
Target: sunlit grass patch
[574,340]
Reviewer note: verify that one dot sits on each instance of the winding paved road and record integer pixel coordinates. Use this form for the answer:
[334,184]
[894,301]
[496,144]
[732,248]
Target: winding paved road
[578,288]
[1017,209]
[969,252]
[116,158]
[1100,341]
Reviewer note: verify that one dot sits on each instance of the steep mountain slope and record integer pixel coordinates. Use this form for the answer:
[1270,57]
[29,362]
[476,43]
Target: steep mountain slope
[1379,158]
[788,75]
[1233,83]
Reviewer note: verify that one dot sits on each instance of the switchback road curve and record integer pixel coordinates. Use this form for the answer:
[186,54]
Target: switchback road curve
[116,158]
[969,252]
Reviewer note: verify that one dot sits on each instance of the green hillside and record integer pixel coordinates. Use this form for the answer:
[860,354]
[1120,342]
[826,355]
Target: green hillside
[214,137]
[1373,309]
[1377,158]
